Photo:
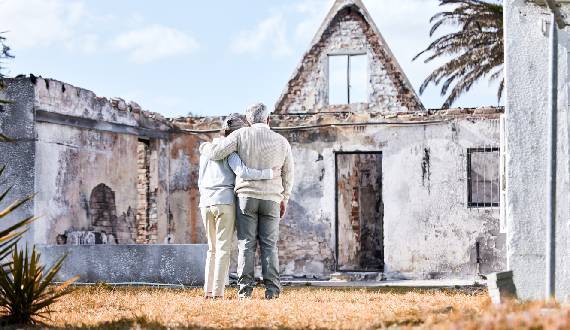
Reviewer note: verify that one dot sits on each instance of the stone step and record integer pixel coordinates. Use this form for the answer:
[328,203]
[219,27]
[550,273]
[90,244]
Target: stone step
[358,276]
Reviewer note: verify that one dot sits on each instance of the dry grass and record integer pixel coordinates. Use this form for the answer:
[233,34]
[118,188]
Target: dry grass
[106,307]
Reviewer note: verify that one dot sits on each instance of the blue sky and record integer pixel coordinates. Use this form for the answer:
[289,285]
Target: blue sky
[202,57]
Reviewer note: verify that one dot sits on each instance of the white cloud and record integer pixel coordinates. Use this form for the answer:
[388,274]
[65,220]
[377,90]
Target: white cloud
[71,25]
[269,36]
[154,42]
[40,23]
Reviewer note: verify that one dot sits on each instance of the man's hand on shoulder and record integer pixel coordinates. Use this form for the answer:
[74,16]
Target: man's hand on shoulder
[205,146]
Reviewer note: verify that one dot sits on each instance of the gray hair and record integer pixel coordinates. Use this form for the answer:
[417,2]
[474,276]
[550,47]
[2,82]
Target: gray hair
[257,113]
[232,123]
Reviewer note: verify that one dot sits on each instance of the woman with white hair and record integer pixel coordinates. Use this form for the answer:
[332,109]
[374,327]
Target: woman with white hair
[218,208]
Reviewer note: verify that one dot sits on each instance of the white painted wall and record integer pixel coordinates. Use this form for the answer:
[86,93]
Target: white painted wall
[526,64]
[429,231]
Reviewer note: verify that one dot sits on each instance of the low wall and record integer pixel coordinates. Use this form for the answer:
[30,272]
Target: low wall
[164,264]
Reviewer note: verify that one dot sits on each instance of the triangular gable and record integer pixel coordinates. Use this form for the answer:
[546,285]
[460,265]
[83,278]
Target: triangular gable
[305,92]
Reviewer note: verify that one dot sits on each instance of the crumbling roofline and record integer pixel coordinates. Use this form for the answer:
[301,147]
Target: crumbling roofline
[306,127]
[86,123]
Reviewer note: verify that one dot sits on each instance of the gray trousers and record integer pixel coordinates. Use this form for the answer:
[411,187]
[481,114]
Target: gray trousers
[258,219]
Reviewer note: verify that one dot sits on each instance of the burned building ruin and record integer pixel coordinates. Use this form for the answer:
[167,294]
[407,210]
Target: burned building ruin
[382,184]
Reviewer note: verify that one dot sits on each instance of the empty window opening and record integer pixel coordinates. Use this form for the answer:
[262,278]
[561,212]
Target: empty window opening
[348,79]
[483,177]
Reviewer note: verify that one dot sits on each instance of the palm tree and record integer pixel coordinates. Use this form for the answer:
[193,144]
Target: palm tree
[476,50]
[4,54]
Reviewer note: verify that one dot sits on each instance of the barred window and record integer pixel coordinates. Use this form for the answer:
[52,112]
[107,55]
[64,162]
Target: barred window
[483,177]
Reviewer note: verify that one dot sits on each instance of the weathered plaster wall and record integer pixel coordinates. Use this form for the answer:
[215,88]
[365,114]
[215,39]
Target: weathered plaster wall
[17,122]
[185,217]
[428,229]
[526,66]
[72,160]
[70,163]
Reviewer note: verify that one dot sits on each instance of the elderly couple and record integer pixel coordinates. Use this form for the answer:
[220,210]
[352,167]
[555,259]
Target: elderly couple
[255,164]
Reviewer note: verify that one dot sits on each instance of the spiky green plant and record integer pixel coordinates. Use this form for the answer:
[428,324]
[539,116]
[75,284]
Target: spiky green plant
[26,288]
[11,235]
[476,50]
[25,291]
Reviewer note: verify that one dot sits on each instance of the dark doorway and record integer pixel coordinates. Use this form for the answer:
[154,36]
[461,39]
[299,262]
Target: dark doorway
[359,212]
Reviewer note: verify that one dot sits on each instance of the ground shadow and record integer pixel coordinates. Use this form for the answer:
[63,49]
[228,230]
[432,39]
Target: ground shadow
[134,323]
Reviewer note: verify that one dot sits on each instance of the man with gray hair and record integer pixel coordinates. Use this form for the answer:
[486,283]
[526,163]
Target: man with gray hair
[261,204]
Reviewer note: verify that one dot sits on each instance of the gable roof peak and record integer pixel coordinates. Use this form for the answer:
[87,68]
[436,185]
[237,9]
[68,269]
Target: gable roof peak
[406,90]
[338,6]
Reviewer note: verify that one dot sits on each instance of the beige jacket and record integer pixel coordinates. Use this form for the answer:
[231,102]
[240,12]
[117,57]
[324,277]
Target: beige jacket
[258,147]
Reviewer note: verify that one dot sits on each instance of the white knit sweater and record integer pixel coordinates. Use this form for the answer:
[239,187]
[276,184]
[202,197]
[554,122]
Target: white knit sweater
[259,147]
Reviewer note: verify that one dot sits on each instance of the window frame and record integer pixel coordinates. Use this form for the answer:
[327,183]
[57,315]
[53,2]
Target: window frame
[348,55]
[470,203]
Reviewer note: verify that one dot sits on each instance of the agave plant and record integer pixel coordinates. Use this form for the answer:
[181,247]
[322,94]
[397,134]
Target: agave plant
[476,49]
[25,291]
[10,236]
[26,288]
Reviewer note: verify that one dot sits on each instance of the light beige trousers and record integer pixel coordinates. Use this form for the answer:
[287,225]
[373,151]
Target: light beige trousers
[219,222]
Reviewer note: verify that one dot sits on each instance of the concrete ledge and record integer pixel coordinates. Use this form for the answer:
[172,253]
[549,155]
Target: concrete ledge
[163,264]
[401,284]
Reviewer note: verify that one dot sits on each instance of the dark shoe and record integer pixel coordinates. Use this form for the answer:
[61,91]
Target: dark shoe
[269,295]
[245,292]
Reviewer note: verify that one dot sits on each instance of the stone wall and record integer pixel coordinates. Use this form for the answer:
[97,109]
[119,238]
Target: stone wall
[429,230]
[185,219]
[17,122]
[180,265]
[348,31]
[85,172]
[104,184]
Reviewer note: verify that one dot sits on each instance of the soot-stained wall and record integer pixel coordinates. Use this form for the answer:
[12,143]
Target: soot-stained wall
[81,145]
[75,144]
[429,231]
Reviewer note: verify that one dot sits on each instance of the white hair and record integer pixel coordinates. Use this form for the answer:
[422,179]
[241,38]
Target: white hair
[257,113]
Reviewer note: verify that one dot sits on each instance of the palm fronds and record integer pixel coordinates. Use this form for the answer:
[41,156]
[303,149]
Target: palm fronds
[476,50]
[4,54]
[25,287]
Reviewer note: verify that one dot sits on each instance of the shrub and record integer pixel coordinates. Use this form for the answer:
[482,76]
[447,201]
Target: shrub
[25,292]
[10,236]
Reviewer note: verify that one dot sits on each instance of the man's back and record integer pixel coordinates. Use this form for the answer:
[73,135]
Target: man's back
[260,147]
